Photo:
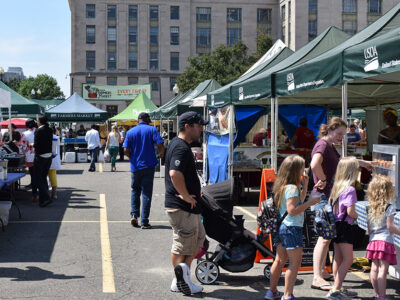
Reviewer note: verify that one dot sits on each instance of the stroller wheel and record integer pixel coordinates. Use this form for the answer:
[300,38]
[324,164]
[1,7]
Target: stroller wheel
[267,272]
[207,272]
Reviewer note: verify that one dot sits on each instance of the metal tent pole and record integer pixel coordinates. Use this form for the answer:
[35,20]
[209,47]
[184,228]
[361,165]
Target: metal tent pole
[161,137]
[204,145]
[344,116]
[276,135]
[230,146]
[272,131]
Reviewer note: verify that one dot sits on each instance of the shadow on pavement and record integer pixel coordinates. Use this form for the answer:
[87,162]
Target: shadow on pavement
[70,172]
[32,274]
[31,240]
[161,227]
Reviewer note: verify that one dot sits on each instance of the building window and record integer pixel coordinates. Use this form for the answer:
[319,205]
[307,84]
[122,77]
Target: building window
[112,110]
[234,25]
[132,60]
[132,12]
[174,60]
[133,80]
[312,29]
[112,60]
[174,35]
[350,27]
[155,83]
[264,20]
[203,36]
[112,80]
[153,12]
[112,11]
[172,82]
[91,79]
[233,35]
[153,35]
[153,60]
[349,6]
[132,35]
[174,12]
[90,34]
[90,11]
[234,15]
[312,6]
[112,34]
[283,26]
[374,7]
[90,60]
[203,13]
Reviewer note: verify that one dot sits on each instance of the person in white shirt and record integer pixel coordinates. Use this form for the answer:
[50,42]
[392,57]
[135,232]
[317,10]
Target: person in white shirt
[113,145]
[93,140]
[55,164]
[28,138]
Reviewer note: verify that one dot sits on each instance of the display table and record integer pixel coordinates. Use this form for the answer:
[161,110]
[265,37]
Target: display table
[361,209]
[8,186]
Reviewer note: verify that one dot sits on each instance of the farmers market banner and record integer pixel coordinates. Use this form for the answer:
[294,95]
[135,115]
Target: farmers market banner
[114,92]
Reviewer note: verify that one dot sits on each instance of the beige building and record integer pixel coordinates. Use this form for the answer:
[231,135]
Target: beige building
[303,20]
[120,42]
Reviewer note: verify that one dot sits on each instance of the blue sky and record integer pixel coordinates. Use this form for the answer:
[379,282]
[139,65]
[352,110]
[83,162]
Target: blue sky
[36,35]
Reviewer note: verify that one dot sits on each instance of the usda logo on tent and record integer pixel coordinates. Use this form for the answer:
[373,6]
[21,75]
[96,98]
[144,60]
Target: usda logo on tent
[241,94]
[212,100]
[371,59]
[290,81]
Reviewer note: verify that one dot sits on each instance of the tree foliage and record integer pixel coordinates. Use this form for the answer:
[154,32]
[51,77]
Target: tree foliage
[224,64]
[13,84]
[47,85]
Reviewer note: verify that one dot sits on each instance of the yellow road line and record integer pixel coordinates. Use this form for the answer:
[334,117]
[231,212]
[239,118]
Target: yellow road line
[101,167]
[23,222]
[108,273]
[246,212]
[361,275]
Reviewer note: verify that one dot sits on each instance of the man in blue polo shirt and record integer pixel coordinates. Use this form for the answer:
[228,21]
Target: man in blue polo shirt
[139,147]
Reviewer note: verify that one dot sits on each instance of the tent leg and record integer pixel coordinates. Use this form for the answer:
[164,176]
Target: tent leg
[160,134]
[276,135]
[9,123]
[205,116]
[272,131]
[344,116]
[230,147]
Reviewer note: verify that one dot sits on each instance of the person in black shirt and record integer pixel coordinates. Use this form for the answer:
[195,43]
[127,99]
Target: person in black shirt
[16,136]
[81,131]
[181,201]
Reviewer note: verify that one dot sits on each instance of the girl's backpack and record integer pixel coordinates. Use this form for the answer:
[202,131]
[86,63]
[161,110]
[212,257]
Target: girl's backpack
[324,222]
[268,217]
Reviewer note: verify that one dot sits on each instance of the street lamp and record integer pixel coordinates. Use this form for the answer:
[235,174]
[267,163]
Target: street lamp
[1,73]
[175,89]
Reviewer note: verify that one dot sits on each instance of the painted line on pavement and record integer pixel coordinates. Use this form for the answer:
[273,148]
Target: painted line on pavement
[101,167]
[84,221]
[246,212]
[106,259]
[361,275]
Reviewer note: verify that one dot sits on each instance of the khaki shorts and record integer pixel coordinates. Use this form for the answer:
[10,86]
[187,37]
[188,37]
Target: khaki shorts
[189,233]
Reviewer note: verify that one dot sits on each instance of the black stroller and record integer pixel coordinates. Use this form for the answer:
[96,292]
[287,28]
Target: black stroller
[237,247]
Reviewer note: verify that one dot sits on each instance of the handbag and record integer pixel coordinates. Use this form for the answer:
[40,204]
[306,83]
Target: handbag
[100,158]
[107,156]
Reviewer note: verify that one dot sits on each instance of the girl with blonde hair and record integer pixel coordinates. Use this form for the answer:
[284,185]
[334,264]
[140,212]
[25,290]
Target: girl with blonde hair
[381,228]
[343,199]
[113,145]
[289,197]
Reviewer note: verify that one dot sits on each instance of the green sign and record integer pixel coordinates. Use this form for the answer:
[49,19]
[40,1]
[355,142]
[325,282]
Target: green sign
[114,92]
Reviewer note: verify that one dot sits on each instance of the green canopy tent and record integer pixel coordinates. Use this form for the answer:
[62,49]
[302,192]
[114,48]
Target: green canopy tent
[20,106]
[47,104]
[75,108]
[158,113]
[141,103]
[324,76]
[275,55]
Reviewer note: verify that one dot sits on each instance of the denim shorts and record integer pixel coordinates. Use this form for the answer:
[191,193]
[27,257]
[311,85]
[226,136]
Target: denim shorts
[291,237]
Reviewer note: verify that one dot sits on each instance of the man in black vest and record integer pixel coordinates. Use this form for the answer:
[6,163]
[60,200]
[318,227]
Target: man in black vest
[43,156]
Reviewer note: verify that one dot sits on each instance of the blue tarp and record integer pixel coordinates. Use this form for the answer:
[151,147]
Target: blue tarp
[217,157]
[218,145]
[290,115]
[246,117]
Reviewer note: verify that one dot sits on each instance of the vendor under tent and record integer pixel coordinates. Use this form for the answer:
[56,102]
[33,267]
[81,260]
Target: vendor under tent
[257,88]
[141,103]
[75,109]
[20,106]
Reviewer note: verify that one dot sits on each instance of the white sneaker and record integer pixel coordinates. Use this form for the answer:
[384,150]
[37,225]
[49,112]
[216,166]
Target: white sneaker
[174,287]
[182,278]
[195,288]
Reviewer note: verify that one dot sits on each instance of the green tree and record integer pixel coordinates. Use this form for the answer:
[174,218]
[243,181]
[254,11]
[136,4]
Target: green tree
[224,64]
[47,85]
[13,84]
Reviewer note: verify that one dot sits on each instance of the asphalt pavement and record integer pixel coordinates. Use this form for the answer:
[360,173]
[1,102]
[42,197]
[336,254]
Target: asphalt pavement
[82,246]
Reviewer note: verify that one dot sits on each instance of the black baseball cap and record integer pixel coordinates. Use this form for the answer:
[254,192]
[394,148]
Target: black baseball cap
[144,115]
[191,117]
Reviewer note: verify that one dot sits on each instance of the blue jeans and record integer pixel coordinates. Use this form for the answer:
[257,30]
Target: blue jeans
[142,183]
[291,237]
[93,158]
